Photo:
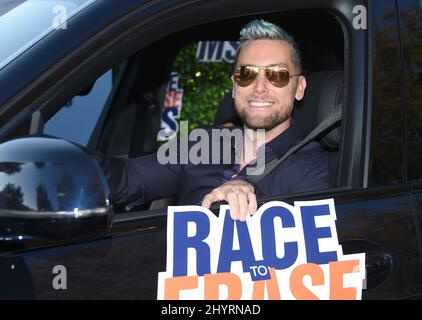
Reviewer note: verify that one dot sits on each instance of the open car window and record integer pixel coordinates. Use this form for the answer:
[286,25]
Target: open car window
[199,81]
[186,77]
[81,112]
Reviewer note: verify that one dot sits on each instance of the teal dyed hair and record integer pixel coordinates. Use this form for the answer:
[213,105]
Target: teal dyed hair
[260,30]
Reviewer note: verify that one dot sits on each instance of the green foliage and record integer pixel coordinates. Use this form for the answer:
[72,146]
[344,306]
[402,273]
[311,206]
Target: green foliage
[204,85]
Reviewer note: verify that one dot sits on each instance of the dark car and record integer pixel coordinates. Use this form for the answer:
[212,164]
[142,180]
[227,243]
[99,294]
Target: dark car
[98,73]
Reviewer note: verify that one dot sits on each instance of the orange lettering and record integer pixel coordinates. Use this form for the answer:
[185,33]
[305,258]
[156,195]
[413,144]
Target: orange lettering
[337,270]
[272,288]
[173,286]
[168,100]
[299,291]
[230,280]
[177,102]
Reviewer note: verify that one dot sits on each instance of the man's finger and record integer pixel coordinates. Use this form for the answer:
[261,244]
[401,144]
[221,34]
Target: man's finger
[243,205]
[214,196]
[234,204]
[218,194]
[207,201]
[252,204]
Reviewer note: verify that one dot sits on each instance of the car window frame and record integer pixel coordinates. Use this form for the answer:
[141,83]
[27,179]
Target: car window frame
[69,83]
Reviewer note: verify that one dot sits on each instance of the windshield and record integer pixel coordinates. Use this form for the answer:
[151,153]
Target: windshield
[24,23]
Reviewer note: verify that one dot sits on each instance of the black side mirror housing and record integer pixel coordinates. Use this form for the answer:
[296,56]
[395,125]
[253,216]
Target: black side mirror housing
[51,190]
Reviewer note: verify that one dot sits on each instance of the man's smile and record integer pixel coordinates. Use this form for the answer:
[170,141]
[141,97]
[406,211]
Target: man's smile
[260,104]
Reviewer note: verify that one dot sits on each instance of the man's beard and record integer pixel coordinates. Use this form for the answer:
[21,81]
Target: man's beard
[267,123]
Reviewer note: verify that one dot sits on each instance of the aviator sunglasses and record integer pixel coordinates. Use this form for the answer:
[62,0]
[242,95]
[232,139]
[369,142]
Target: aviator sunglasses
[277,75]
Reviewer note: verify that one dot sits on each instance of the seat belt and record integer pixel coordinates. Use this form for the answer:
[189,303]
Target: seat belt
[332,119]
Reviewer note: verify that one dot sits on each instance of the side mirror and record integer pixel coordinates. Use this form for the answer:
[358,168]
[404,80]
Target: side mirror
[51,190]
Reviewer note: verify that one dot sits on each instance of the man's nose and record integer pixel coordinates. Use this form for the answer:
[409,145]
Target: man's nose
[261,82]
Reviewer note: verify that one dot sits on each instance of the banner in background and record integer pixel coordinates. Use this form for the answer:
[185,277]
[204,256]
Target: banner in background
[206,52]
[173,102]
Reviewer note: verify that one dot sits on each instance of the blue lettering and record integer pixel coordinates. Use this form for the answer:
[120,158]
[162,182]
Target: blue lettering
[268,238]
[212,45]
[312,234]
[230,52]
[169,118]
[180,251]
[174,82]
[200,53]
[227,254]
[210,51]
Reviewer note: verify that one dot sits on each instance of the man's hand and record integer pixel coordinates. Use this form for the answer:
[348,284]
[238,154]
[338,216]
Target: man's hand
[239,194]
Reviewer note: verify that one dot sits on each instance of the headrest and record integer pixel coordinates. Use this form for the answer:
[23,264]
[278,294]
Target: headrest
[226,111]
[323,93]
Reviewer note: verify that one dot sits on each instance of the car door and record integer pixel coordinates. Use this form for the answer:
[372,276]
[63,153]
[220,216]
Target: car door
[391,233]
[410,13]
[379,218]
[89,268]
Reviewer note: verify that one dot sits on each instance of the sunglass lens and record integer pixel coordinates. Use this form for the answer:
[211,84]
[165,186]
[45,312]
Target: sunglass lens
[245,75]
[278,77]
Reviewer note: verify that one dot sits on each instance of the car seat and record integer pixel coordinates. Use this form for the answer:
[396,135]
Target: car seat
[324,92]
[226,112]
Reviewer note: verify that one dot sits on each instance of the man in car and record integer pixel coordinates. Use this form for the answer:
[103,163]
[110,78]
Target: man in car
[266,82]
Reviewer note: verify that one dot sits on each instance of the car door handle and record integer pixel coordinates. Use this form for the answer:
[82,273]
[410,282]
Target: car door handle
[378,265]
[378,262]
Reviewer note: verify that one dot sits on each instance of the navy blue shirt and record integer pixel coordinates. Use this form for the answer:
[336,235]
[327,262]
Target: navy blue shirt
[139,180]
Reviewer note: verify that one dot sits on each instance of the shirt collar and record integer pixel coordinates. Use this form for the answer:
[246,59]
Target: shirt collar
[284,141]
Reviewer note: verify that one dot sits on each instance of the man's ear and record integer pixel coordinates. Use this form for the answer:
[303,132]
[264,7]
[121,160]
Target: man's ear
[300,89]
